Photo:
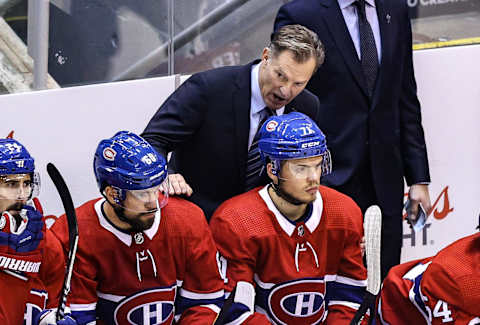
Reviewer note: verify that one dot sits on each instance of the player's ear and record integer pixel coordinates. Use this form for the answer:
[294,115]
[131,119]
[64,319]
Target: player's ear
[110,193]
[270,173]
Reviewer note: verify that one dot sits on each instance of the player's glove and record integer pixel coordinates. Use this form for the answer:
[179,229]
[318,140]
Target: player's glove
[48,317]
[24,237]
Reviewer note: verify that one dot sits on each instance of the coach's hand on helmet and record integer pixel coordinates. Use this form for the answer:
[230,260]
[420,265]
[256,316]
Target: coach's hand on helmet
[178,185]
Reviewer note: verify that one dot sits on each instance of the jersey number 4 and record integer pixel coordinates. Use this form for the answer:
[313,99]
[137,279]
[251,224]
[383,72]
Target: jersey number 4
[441,310]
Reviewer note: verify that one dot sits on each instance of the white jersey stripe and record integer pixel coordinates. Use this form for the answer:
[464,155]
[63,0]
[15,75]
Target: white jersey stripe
[345,280]
[474,321]
[193,295]
[261,284]
[416,271]
[83,307]
[379,312]
[344,303]
[110,297]
[213,307]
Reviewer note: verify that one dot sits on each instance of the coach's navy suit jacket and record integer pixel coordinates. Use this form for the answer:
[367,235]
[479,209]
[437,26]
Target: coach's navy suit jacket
[383,133]
[206,123]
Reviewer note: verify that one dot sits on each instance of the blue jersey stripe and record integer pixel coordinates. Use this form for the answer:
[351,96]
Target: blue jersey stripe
[344,292]
[182,303]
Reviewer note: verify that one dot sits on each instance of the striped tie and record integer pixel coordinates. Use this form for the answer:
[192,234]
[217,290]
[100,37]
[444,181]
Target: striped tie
[254,163]
[368,49]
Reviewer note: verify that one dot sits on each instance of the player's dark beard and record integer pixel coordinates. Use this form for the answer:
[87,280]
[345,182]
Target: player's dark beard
[16,208]
[135,223]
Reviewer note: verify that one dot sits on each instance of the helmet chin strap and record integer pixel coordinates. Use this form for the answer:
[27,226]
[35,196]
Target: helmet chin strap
[119,210]
[278,189]
[281,193]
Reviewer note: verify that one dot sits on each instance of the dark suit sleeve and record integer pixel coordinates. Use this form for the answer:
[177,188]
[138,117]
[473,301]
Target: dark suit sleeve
[316,112]
[283,18]
[414,151]
[311,104]
[179,117]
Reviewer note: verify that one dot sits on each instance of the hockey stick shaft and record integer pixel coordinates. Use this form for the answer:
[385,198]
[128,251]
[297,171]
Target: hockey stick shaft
[373,230]
[243,293]
[220,320]
[368,303]
[72,235]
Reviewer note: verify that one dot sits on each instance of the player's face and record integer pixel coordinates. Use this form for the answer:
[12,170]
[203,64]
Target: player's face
[300,178]
[15,190]
[140,207]
[282,78]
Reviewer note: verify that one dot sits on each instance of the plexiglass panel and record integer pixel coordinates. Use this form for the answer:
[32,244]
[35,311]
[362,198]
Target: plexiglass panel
[92,41]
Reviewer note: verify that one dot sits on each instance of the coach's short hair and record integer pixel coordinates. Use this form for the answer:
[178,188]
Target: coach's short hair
[301,41]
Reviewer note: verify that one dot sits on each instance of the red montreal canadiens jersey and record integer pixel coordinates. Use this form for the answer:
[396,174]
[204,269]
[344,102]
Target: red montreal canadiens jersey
[25,295]
[167,272]
[309,272]
[444,289]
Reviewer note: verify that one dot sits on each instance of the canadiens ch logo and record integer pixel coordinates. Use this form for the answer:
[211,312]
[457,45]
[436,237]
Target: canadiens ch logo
[271,126]
[109,154]
[299,302]
[149,307]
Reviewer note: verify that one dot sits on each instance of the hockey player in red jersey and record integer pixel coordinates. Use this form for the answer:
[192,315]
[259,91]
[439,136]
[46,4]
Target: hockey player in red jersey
[296,242]
[139,259]
[31,258]
[444,289]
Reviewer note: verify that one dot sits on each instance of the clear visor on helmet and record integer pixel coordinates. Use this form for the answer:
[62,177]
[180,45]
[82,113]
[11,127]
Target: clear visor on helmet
[302,170]
[150,194]
[146,200]
[21,187]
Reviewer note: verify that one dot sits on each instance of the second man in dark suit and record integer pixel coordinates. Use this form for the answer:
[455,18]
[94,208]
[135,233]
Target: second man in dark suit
[370,112]
[211,120]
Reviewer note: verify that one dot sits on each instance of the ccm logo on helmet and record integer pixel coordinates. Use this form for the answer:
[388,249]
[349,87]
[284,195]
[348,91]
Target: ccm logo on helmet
[310,144]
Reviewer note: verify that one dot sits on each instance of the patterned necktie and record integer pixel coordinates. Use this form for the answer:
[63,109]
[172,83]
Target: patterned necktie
[254,163]
[368,49]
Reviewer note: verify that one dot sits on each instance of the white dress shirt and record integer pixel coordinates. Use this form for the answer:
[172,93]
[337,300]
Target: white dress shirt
[349,11]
